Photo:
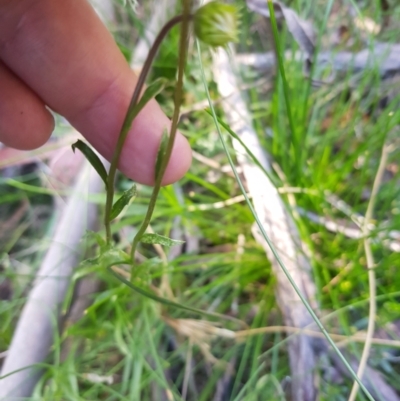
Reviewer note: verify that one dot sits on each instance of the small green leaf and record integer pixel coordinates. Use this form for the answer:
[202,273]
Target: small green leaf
[96,237]
[162,150]
[151,91]
[113,256]
[92,158]
[109,256]
[159,239]
[123,201]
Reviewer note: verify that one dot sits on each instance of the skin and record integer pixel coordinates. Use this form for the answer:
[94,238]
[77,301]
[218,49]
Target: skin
[58,54]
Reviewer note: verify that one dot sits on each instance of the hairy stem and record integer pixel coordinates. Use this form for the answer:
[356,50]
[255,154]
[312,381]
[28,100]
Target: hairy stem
[130,116]
[185,19]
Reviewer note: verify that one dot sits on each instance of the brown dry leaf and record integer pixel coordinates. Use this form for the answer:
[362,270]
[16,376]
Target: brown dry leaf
[200,333]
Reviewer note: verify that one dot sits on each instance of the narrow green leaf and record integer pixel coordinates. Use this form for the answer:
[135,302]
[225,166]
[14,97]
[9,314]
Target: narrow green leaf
[162,150]
[92,158]
[123,201]
[159,239]
[109,256]
[151,91]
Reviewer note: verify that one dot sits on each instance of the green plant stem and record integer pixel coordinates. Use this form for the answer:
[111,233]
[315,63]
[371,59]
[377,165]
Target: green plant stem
[130,115]
[184,19]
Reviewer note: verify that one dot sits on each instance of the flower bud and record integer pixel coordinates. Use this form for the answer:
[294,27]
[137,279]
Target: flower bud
[216,24]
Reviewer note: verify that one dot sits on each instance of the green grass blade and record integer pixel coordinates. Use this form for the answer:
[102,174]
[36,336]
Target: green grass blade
[296,141]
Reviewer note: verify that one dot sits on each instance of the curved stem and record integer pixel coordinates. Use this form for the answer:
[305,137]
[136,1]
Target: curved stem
[371,272]
[130,116]
[185,19]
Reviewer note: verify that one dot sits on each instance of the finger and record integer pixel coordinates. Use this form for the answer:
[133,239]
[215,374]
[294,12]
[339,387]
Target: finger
[25,123]
[64,53]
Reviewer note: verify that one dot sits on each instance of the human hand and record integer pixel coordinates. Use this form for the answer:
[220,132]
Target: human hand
[59,54]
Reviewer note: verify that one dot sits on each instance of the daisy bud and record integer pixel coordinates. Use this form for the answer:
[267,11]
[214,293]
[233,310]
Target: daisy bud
[216,24]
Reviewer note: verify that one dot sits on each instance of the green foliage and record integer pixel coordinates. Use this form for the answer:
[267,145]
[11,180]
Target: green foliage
[92,158]
[150,92]
[159,239]
[126,197]
[162,152]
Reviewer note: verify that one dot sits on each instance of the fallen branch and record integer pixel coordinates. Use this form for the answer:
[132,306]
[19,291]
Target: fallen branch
[390,239]
[40,317]
[385,57]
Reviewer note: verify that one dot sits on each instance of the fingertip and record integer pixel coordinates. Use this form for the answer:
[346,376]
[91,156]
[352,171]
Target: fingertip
[25,123]
[36,131]
[26,129]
